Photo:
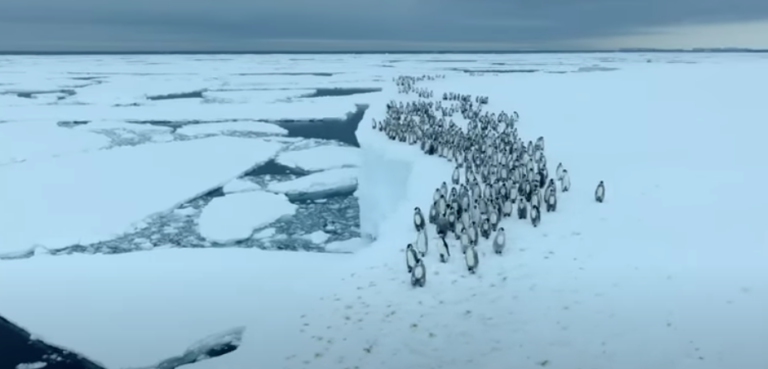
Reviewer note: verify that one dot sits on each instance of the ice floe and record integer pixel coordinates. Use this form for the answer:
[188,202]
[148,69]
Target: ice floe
[220,128]
[318,185]
[86,198]
[33,140]
[347,246]
[240,185]
[321,158]
[317,237]
[235,216]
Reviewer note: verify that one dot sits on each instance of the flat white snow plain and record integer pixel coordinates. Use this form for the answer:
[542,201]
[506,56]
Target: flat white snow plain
[669,272]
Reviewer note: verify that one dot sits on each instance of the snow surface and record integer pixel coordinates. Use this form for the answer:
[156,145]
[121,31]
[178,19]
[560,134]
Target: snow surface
[85,198]
[321,158]
[334,180]
[219,128]
[661,275]
[33,140]
[235,216]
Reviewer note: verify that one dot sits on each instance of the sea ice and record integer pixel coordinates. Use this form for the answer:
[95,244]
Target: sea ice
[317,237]
[235,216]
[318,185]
[351,245]
[240,185]
[23,141]
[228,127]
[91,197]
[321,158]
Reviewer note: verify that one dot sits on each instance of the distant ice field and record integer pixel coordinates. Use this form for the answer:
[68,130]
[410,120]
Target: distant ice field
[196,171]
[63,116]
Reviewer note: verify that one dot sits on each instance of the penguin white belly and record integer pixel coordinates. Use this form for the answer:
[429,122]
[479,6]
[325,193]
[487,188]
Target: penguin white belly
[471,259]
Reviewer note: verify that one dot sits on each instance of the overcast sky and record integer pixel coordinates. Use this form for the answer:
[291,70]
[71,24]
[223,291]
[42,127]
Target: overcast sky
[350,25]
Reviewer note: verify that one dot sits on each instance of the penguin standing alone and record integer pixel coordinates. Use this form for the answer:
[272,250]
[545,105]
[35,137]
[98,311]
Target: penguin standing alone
[600,192]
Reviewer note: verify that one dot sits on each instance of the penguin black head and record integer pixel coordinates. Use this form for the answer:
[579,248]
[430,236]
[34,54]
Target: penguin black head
[501,229]
[417,210]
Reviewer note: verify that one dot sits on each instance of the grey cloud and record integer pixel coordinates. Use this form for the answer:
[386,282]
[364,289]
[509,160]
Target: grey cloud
[252,25]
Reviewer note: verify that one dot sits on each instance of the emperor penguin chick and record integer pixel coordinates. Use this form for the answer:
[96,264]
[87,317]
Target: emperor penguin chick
[565,182]
[494,217]
[500,241]
[600,192]
[411,257]
[444,251]
[422,243]
[456,176]
[485,228]
[535,215]
[464,239]
[418,219]
[471,259]
[419,274]
[522,209]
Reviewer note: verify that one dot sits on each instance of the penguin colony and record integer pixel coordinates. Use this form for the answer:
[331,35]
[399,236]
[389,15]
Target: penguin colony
[497,175]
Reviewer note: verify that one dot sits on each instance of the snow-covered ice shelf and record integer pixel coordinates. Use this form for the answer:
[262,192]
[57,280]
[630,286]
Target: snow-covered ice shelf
[235,216]
[85,198]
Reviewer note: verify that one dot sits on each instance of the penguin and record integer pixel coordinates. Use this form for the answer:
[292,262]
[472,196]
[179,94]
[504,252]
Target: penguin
[506,210]
[422,243]
[433,213]
[565,182]
[600,192]
[551,199]
[494,218]
[464,239]
[455,178]
[535,216]
[559,171]
[485,228]
[444,251]
[419,274]
[500,241]
[522,209]
[535,198]
[442,205]
[474,236]
[471,259]
[411,257]
[418,219]
[442,226]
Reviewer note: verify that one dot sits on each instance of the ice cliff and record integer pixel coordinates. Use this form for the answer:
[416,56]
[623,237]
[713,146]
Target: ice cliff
[394,178]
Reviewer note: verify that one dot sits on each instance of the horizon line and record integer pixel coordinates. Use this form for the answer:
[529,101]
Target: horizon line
[340,52]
